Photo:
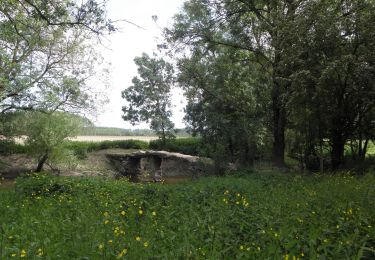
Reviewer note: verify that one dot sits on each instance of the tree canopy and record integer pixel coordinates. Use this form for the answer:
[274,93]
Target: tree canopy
[149,98]
[46,57]
[309,66]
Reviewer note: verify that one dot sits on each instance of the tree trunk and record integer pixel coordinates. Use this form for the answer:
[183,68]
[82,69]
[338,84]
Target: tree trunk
[278,148]
[363,150]
[337,153]
[163,134]
[41,162]
[278,109]
[321,158]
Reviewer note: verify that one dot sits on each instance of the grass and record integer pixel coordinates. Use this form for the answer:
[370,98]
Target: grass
[252,216]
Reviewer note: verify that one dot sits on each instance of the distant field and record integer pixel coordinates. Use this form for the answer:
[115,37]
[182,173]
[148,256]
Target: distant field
[112,138]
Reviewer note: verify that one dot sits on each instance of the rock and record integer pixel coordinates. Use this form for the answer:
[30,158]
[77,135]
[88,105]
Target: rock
[159,165]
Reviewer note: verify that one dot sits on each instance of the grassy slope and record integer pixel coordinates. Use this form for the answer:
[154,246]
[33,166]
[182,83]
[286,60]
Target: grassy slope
[256,217]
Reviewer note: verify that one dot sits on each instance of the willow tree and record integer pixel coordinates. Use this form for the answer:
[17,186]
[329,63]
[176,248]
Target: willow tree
[46,54]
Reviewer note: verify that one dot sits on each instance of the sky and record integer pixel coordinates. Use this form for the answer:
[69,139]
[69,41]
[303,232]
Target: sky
[129,42]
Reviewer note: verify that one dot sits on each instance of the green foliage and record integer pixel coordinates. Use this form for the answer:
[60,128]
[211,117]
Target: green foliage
[227,100]
[255,69]
[8,147]
[191,146]
[46,53]
[254,217]
[112,131]
[81,149]
[46,134]
[149,98]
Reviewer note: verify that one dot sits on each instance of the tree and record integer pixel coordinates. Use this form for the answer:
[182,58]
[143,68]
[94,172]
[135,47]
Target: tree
[335,75]
[46,57]
[149,98]
[263,28]
[46,134]
[226,104]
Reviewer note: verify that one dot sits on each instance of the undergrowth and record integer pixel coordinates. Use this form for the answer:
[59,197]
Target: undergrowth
[251,216]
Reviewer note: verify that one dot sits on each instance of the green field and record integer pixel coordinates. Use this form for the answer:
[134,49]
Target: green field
[259,216]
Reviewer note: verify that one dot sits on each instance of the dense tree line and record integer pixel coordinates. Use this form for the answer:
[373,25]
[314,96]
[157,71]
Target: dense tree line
[297,72]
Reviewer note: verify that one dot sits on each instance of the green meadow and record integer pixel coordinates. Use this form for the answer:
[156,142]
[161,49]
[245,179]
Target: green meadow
[248,216]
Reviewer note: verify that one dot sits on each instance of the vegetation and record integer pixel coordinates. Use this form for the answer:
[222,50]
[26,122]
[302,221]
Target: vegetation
[149,96]
[46,134]
[191,146]
[8,147]
[256,73]
[81,149]
[254,216]
[46,55]
[112,131]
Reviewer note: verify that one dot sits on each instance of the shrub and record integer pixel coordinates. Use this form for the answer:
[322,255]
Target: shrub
[8,147]
[191,146]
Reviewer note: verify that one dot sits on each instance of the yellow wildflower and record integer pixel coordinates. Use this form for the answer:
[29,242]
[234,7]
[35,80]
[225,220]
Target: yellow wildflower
[101,246]
[123,213]
[13,255]
[106,222]
[122,253]
[154,213]
[241,247]
[138,238]
[286,257]
[145,244]
[40,252]
[140,212]
[23,253]
[110,241]
[106,214]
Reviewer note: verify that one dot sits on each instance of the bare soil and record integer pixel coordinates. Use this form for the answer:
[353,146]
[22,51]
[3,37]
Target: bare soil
[96,164]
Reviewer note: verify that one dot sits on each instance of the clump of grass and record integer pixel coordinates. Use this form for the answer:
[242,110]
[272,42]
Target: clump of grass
[251,217]
[8,147]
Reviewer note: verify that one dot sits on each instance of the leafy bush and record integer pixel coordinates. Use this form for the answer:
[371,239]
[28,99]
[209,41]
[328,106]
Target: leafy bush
[8,147]
[191,146]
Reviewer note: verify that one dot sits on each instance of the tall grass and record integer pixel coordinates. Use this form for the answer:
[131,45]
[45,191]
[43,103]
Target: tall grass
[267,216]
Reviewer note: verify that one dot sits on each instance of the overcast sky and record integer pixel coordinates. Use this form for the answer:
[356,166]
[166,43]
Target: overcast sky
[129,42]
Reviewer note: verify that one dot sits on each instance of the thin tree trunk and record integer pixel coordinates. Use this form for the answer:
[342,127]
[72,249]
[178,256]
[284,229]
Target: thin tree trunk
[337,153]
[321,158]
[278,149]
[362,155]
[279,113]
[41,163]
